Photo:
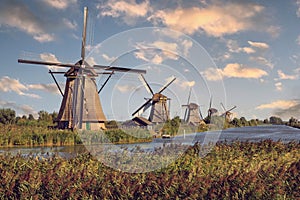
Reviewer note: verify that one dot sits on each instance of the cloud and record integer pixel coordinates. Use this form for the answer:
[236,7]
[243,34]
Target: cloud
[129,11]
[238,71]
[157,51]
[293,111]
[213,74]
[50,88]
[8,84]
[260,45]
[108,59]
[298,40]
[283,76]
[49,57]
[215,20]
[125,88]
[24,109]
[298,10]
[279,104]
[17,15]
[13,85]
[60,4]
[233,70]
[263,61]
[233,46]
[69,24]
[278,86]
[182,83]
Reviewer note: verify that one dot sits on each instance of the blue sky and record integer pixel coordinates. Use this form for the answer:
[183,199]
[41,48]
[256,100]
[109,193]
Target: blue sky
[243,53]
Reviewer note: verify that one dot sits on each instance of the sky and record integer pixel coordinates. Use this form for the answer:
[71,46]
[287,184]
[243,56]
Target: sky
[241,53]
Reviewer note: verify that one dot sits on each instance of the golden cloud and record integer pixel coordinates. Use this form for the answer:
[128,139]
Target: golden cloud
[215,20]
[281,104]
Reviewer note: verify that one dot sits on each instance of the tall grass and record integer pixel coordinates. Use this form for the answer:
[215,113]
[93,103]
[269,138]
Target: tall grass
[241,170]
[16,135]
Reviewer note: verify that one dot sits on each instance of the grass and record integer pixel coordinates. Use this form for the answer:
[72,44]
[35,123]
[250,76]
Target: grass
[24,135]
[241,170]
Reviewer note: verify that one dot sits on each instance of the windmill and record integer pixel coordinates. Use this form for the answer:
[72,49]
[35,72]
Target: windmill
[227,114]
[211,112]
[81,107]
[192,112]
[159,112]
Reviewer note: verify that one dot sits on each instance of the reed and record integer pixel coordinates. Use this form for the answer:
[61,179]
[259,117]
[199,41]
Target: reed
[241,170]
[16,135]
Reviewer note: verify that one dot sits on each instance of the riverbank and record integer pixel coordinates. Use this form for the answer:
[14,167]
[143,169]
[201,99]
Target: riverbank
[35,136]
[241,170]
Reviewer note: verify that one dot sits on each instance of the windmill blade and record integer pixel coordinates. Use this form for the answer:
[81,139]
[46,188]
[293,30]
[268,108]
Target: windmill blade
[47,63]
[145,83]
[105,82]
[84,34]
[167,85]
[119,69]
[223,107]
[231,109]
[210,102]
[200,113]
[188,102]
[145,104]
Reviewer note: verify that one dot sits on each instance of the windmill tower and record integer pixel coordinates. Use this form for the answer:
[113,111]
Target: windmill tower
[192,112]
[81,107]
[227,114]
[159,112]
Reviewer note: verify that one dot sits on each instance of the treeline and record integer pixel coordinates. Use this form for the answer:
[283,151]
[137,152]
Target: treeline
[8,116]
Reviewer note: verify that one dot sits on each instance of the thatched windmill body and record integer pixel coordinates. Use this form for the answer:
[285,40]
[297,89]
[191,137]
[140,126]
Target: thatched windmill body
[81,107]
[159,109]
[192,112]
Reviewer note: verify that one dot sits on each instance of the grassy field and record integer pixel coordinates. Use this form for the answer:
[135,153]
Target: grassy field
[241,170]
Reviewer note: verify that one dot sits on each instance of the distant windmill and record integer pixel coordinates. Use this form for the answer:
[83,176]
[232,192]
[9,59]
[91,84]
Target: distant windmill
[192,112]
[81,107]
[159,112]
[227,114]
[211,112]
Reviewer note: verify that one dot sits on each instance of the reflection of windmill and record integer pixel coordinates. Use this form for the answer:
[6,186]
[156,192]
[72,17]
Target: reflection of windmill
[192,113]
[81,107]
[227,114]
[159,112]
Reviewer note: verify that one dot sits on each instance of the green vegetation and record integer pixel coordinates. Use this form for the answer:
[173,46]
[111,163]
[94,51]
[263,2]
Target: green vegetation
[28,131]
[242,170]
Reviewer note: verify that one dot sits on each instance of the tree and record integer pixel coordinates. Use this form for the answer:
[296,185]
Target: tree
[236,122]
[243,121]
[7,116]
[276,120]
[44,116]
[30,117]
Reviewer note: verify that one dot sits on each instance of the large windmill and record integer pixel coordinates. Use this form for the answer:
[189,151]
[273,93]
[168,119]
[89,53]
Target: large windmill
[81,107]
[192,113]
[159,110]
[227,113]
